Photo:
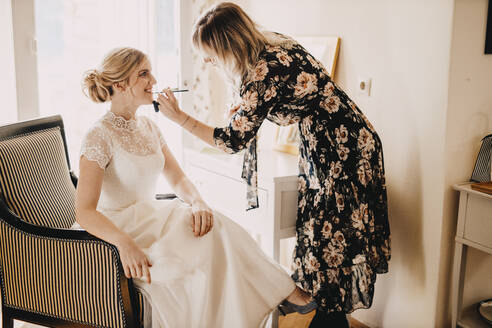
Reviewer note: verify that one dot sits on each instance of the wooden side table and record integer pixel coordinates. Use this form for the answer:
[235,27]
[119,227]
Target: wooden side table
[474,229]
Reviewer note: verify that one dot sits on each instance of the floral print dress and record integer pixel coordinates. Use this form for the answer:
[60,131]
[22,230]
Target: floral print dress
[343,236]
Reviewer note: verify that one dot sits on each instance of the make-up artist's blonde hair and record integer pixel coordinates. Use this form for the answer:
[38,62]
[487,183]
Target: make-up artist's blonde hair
[232,35]
[116,67]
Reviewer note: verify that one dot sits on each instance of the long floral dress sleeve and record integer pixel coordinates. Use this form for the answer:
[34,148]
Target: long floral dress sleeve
[258,97]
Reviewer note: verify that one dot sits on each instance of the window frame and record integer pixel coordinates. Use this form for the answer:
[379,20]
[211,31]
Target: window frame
[25,56]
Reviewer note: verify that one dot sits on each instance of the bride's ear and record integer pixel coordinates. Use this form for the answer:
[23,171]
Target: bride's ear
[120,86]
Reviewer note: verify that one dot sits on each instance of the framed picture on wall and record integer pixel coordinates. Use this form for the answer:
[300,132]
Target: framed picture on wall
[488,32]
[325,49]
[287,139]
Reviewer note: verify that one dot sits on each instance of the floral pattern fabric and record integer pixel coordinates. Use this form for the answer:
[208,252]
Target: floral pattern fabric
[343,236]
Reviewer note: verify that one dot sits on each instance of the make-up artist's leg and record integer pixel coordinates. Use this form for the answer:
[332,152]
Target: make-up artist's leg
[331,319]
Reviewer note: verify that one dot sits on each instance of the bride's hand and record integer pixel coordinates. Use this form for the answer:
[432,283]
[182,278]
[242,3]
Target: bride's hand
[135,263]
[169,107]
[202,219]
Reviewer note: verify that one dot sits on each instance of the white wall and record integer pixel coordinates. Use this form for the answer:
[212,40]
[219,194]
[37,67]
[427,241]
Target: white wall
[404,46]
[8,113]
[469,118]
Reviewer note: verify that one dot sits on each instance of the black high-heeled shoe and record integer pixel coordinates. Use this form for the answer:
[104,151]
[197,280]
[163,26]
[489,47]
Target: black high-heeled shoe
[287,307]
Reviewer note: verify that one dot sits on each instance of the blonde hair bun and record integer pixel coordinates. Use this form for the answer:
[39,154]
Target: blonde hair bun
[116,67]
[94,88]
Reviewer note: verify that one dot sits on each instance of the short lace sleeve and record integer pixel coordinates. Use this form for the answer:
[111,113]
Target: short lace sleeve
[96,146]
[156,131]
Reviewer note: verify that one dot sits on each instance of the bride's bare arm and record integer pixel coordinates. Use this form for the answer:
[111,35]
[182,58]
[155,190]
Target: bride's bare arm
[180,183]
[135,262]
[202,220]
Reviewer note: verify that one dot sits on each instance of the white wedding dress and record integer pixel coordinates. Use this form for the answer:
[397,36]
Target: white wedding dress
[222,279]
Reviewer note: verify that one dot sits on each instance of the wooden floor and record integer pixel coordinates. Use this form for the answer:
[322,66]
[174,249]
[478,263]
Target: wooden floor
[292,320]
[356,324]
[297,320]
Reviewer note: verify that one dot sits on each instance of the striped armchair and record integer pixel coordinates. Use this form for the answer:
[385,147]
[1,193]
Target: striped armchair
[49,274]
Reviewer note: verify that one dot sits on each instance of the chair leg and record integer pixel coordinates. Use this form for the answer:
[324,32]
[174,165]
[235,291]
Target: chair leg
[7,321]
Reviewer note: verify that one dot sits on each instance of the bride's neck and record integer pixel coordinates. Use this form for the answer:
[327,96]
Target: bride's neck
[124,110]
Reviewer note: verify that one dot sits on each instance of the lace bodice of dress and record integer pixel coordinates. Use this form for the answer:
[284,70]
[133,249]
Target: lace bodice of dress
[130,152]
[136,136]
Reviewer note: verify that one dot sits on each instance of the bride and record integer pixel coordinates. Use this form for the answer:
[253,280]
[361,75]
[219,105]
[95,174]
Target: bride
[199,268]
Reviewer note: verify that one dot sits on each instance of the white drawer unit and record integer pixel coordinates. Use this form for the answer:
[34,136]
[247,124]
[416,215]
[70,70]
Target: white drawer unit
[226,195]
[478,221]
[218,177]
[474,229]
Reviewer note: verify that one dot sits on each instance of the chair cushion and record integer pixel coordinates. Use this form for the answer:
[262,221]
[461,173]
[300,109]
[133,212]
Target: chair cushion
[35,179]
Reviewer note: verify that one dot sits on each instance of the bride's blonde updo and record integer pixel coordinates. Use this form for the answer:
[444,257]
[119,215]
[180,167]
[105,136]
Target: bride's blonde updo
[116,67]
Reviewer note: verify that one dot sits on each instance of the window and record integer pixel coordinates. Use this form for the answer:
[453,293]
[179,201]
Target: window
[74,35]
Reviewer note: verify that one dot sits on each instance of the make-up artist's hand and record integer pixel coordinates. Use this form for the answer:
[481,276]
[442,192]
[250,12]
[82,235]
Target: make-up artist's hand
[169,107]
[202,219]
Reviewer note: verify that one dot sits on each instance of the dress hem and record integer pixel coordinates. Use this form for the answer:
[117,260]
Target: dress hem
[265,317]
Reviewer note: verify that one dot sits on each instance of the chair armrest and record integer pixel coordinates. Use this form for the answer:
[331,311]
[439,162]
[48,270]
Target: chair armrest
[62,273]
[41,231]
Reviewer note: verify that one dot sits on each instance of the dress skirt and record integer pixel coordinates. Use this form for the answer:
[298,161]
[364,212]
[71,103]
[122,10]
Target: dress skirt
[222,279]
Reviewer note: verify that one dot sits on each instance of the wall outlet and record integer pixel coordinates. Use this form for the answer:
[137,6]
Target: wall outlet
[364,86]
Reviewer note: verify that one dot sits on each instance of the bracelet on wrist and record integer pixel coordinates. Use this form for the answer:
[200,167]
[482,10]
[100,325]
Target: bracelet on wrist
[186,120]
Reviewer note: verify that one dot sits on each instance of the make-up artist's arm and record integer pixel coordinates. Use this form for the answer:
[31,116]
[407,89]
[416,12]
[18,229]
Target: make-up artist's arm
[243,124]
[169,107]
